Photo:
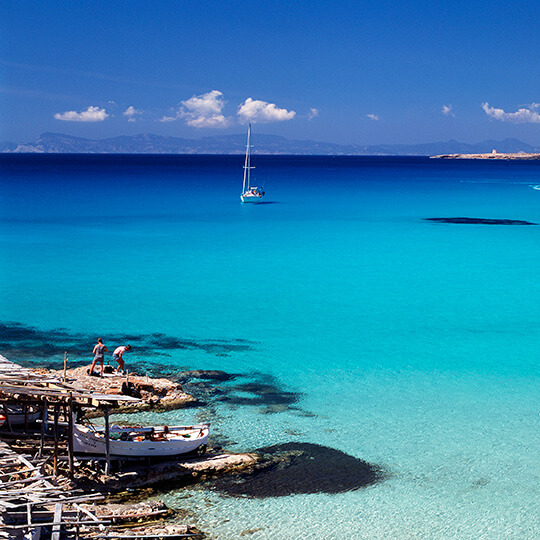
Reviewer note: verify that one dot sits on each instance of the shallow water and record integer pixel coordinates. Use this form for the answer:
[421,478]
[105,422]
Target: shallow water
[409,344]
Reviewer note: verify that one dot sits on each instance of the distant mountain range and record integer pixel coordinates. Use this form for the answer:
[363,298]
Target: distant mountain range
[57,143]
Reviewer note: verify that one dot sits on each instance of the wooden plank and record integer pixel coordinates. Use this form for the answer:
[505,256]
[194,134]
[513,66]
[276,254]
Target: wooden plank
[48,501]
[57,527]
[24,480]
[145,535]
[86,511]
[58,524]
[107,443]
[71,460]
[55,433]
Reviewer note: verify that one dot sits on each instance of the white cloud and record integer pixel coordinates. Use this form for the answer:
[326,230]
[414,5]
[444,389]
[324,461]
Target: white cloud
[313,113]
[448,110]
[168,119]
[254,110]
[131,113]
[203,111]
[373,116]
[521,116]
[92,114]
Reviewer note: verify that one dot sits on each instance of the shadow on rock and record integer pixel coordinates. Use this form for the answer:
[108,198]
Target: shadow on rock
[300,468]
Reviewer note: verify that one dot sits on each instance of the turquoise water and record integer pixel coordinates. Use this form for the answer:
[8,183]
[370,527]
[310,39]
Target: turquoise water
[410,344]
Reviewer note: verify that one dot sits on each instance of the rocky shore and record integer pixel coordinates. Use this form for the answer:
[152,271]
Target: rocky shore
[156,394]
[128,479]
[128,490]
[492,155]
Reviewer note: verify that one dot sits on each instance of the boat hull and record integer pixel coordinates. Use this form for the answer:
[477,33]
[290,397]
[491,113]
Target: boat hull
[17,417]
[254,199]
[89,442]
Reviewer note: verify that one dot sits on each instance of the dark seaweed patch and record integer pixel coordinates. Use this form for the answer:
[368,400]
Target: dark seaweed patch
[262,390]
[300,468]
[252,389]
[24,343]
[479,221]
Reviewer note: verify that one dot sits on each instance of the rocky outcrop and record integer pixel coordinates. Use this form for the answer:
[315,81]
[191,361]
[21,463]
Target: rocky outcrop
[301,468]
[491,155]
[155,394]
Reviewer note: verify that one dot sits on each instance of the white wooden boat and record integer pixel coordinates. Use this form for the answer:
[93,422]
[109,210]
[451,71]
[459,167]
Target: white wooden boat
[140,442]
[250,194]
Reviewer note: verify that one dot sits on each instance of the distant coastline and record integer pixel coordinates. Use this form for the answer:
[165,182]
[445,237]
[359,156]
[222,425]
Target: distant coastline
[265,144]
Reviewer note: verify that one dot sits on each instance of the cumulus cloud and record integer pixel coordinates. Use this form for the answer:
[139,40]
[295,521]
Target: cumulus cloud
[448,110]
[255,110]
[521,116]
[373,116]
[131,113]
[313,113]
[92,114]
[203,111]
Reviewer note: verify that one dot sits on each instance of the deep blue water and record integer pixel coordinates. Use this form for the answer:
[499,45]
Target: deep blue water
[410,344]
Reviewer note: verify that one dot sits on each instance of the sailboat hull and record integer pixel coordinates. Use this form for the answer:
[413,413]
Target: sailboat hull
[249,198]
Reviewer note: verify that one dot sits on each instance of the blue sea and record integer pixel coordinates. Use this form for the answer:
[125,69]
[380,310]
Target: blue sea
[409,344]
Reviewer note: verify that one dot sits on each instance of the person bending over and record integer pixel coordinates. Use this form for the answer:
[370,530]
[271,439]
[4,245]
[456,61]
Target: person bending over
[118,355]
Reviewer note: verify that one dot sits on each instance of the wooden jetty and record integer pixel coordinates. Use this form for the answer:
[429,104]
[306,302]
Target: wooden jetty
[32,503]
[25,390]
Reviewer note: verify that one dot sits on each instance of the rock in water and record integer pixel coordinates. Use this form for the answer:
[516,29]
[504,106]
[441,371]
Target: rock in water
[295,468]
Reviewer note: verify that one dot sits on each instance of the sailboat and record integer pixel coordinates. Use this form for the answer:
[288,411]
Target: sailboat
[250,194]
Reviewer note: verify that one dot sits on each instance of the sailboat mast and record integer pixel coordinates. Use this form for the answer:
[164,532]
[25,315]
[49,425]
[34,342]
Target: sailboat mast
[247,164]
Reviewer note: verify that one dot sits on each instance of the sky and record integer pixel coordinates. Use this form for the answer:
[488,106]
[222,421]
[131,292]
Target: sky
[348,72]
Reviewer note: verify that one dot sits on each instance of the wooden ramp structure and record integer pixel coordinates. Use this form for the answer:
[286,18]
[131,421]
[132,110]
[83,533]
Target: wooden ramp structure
[37,411]
[32,506]
[27,397]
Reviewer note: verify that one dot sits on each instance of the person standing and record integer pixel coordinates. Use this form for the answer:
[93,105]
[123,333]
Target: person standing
[99,356]
[118,356]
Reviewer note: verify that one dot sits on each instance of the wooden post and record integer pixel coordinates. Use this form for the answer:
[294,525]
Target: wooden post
[55,432]
[70,437]
[25,408]
[6,414]
[43,427]
[57,527]
[107,442]
[65,365]
[77,526]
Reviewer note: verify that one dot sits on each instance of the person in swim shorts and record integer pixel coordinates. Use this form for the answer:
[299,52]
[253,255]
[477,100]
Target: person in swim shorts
[118,356]
[99,356]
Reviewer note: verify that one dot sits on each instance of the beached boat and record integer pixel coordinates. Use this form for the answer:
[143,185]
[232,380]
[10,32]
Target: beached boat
[140,442]
[250,194]
[18,416]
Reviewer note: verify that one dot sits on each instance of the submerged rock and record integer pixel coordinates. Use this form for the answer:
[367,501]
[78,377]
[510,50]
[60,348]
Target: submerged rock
[295,468]
[207,374]
[479,221]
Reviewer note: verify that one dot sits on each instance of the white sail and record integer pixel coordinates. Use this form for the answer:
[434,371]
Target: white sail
[250,194]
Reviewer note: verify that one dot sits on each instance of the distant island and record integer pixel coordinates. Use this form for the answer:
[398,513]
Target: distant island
[58,143]
[494,154]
